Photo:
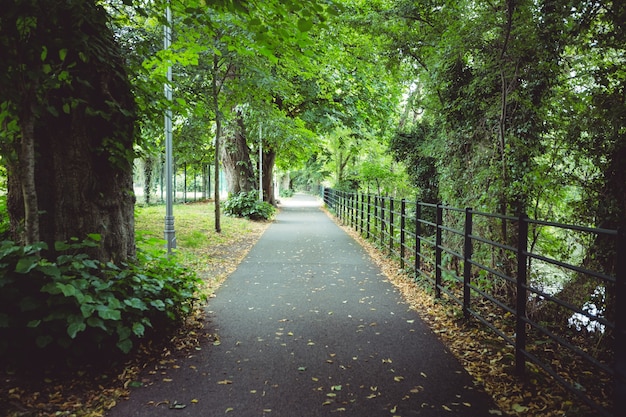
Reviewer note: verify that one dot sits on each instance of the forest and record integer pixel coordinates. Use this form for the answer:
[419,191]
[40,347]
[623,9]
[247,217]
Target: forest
[506,106]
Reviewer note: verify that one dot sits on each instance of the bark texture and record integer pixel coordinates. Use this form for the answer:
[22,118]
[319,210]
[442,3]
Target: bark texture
[238,168]
[83,138]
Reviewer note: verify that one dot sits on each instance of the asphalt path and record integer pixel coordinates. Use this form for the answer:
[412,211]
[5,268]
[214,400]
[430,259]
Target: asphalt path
[309,326]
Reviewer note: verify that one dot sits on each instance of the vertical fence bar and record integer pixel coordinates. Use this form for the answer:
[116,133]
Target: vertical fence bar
[391,228]
[376,219]
[418,239]
[402,231]
[369,206]
[353,209]
[619,392]
[467,266]
[383,226]
[522,296]
[438,237]
[342,206]
[359,227]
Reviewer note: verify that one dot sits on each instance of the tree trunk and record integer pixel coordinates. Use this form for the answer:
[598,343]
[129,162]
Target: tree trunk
[218,137]
[83,139]
[238,168]
[27,162]
[269,158]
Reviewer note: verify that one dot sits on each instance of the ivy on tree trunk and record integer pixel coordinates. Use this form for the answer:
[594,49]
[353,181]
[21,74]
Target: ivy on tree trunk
[68,90]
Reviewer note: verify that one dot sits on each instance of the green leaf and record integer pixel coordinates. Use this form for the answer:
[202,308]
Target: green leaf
[107,313]
[44,52]
[50,270]
[43,341]
[26,264]
[138,329]
[96,322]
[96,237]
[304,25]
[74,328]
[68,290]
[125,345]
[33,323]
[62,54]
[136,303]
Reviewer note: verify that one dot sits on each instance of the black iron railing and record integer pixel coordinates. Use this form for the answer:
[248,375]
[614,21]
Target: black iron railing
[488,262]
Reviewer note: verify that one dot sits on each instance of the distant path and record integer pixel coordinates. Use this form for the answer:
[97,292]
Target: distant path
[309,326]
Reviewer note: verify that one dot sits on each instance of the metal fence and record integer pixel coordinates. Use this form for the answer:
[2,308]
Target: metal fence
[498,271]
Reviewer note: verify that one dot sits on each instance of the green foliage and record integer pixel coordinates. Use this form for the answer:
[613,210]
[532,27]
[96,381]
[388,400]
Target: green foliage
[287,192]
[247,205]
[79,305]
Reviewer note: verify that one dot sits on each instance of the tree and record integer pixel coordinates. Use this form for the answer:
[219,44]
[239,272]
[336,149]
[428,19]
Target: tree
[69,163]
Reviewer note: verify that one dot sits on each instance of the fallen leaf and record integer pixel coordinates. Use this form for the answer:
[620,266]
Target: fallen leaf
[495,412]
[445,407]
[335,388]
[194,401]
[398,378]
[225,382]
[519,408]
[229,409]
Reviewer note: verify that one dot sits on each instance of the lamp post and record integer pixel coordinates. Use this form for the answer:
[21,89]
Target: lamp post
[170,234]
[260,164]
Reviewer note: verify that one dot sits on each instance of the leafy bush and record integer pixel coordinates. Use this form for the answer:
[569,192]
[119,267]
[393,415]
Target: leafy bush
[80,305]
[287,192]
[248,205]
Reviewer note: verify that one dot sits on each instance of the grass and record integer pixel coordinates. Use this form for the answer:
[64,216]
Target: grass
[212,255]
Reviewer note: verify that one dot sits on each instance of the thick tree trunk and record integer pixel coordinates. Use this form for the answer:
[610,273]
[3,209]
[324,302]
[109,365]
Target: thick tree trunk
[84,146]
[238,168]
[269,158]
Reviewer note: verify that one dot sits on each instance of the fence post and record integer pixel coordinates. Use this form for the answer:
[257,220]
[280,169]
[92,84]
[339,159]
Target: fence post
[354,199]
[360,228]
[619,392]
[376,216]
[418,239]
[391,228]
[369,206]
[438,236]
[522,295]
[467,266]
[382,222]
[402,231]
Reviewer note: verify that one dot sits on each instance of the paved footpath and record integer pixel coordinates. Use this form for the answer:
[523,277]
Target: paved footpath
[309,326]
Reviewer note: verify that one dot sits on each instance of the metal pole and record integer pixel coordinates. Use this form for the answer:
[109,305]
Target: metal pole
[170,234]
[260,164]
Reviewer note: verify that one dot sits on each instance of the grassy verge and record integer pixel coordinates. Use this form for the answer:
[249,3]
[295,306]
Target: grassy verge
[212,255]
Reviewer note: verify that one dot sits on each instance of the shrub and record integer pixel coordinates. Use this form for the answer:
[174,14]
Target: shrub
[247,205]
[78,305]
[286,193]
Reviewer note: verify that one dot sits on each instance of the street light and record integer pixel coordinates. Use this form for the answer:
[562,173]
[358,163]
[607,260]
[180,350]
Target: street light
[170,234]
